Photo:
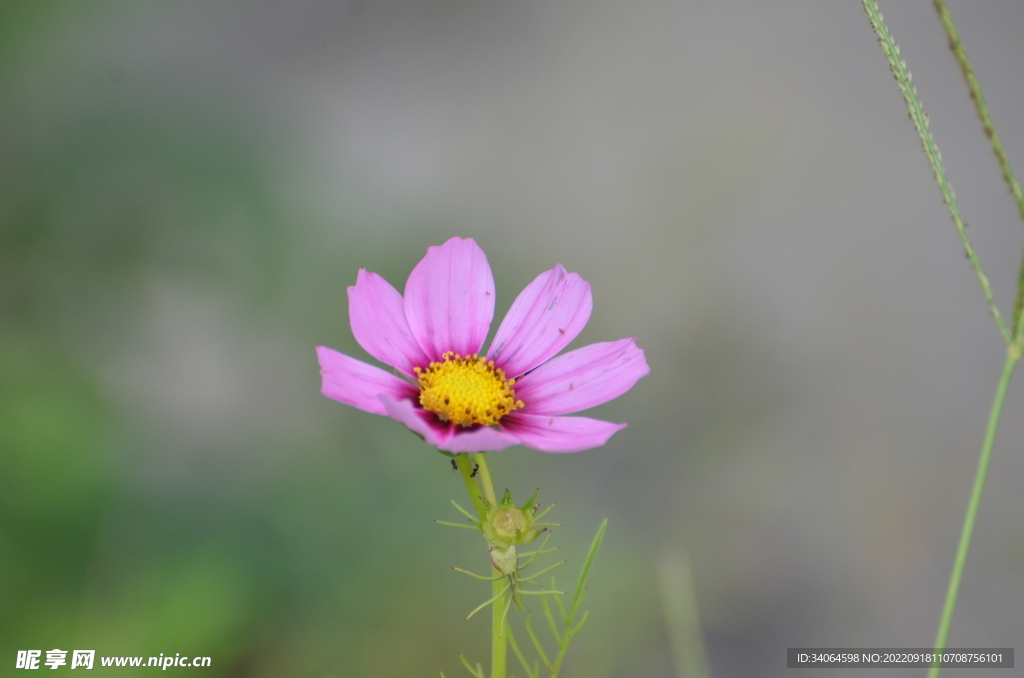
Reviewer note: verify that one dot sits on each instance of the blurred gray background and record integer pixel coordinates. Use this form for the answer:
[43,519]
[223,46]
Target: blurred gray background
[186,190]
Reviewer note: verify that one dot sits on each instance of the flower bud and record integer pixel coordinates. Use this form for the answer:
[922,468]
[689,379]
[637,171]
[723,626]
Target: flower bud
[505,560]
[507,525]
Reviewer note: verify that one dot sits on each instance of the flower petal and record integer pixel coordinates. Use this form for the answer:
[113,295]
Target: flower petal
[559,434]
[483,439]
[449,299]
[583,378]
[543,319]
[417,420]
[355,383]
[377,314]
[446,436]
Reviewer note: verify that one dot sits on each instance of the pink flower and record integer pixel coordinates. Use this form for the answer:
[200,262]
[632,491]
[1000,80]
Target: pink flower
[459,400]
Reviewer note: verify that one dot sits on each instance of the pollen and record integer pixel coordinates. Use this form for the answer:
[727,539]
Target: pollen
[466,390]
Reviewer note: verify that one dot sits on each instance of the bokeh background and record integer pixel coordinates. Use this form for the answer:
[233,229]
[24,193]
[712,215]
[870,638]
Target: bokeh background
[187,188]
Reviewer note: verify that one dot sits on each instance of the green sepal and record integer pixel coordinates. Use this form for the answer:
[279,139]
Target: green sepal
[530,503]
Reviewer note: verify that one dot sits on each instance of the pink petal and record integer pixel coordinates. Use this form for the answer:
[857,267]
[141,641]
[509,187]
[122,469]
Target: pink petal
[582,378]
[355,383]
[377,314]
[543,319]
[449,299]
[445,436]
[483,439]
[559,434]
[417,419]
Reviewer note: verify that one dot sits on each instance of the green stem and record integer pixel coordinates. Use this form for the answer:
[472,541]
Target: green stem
[472,486]
[499,612]
[485,478]
[1014,335]
[482,482]
[1012,356]
[499,638]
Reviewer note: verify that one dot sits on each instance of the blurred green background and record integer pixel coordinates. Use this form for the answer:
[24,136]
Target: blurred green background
[187,188]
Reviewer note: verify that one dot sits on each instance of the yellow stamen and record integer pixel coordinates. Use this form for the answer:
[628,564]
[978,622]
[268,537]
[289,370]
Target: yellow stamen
[466,391]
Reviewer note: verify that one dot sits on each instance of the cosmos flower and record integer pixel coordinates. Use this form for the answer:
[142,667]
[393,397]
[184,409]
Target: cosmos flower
[462,400]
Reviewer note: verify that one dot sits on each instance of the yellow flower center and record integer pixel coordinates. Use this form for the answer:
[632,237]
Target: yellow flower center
[466,391]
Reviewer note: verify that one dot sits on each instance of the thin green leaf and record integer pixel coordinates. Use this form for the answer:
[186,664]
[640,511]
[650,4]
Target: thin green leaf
[536,642]
[583,620]
[478,671]
[543,513]
[679,603]
[558,601]
[477,576]
[551,618]
[533,555]
[485,604]
[583,596]
[544,571]
[460,525]
[466,513]
[519,654]
[503,624]
[594,547]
